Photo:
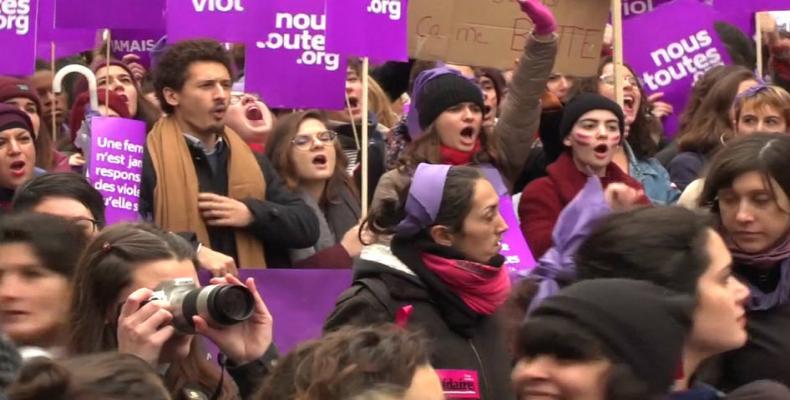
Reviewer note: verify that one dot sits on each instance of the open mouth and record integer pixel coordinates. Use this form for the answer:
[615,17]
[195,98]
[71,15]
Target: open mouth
[601,150]
[319,160]
[468,133]
[487,110]
[18,168]
[353,102]
[254,113]
[628,102]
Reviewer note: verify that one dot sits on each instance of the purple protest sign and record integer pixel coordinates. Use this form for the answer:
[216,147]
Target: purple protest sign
[349,24]
[116,165]
[112,14]
[741,13]
[632,8]
[299,300]
[137,42]
[68,42]
[18,36]
[518,257]
[291,68]
[671,60]
[224,20]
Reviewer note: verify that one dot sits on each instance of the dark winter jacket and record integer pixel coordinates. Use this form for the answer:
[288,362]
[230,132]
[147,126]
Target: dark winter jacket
[281,222]
[383,283]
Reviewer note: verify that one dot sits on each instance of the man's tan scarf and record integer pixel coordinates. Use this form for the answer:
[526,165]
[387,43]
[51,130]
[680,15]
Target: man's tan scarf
[176,191]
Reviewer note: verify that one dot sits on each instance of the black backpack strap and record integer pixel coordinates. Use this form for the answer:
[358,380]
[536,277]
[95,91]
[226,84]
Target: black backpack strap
[379,290]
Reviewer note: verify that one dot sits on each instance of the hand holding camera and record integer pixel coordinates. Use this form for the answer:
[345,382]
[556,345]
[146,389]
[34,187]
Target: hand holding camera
[229,312]
[143,326]
[245,341]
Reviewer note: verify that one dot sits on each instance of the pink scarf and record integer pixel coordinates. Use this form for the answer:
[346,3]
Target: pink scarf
[482,288]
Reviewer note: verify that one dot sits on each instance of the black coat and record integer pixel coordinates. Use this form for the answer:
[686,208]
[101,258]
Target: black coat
[767,353]
[281,222]
[457,343]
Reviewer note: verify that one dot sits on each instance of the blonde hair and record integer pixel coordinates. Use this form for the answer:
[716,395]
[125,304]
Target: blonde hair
[760,97]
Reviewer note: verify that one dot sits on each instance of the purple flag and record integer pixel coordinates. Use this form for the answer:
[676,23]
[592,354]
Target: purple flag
[18,37]
[741,12]
[350,25]
[112,14]
[116,165]
[291,68]
[671,60]
[299,300]
[68,42]
[518,257]
[224,20]
[137,42]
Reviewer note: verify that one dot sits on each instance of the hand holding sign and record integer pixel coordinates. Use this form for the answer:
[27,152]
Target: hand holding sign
[541,16]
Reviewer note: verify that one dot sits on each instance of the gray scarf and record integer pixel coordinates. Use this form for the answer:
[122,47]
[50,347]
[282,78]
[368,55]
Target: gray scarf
[340,216]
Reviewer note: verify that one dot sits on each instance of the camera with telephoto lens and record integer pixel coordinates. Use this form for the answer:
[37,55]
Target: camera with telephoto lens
[219,305]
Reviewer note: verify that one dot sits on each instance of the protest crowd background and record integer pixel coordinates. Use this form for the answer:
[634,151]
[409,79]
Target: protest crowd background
[392,199]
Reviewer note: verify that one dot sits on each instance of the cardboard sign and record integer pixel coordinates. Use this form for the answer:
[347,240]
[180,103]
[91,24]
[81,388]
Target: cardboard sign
[493,33]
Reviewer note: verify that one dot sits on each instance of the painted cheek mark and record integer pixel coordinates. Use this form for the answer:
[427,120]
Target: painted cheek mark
[582,138]
[613,139]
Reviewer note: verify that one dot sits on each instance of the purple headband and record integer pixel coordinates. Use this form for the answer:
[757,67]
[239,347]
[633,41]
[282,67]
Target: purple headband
[425,197]
[413,118]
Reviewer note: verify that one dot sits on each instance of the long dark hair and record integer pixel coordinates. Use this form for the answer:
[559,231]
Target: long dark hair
[662,245]
[712,121]
[641,131]
[701,89]
[278,149]
[106,269]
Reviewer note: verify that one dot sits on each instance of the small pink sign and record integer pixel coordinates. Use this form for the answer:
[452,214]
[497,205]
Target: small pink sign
[459,383]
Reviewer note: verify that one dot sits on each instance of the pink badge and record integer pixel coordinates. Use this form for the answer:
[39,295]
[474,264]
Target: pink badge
[459,383]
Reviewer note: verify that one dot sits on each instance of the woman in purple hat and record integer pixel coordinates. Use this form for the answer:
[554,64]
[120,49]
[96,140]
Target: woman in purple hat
[444,275]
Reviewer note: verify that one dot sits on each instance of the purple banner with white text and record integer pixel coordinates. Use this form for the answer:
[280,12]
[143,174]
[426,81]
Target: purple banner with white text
[137,42]
[18,37]
[671,60]
[116,165]
[223,20]
[350,24]
[110,14]
[290,67]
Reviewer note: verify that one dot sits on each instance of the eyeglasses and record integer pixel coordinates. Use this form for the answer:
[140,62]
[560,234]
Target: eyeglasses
[237,97]
[304,141]
[86,224]
[609,80]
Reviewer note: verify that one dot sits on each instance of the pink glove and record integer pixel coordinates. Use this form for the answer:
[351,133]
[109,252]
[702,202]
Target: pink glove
[541,16]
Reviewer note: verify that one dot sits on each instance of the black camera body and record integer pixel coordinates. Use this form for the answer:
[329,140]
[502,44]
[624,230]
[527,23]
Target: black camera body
[219,305]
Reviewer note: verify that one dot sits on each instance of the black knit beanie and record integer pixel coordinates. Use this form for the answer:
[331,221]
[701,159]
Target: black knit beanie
[585,102]
[443,92]
[641,324]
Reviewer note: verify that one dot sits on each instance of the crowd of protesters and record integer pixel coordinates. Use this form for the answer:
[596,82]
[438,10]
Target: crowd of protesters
[663,262]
